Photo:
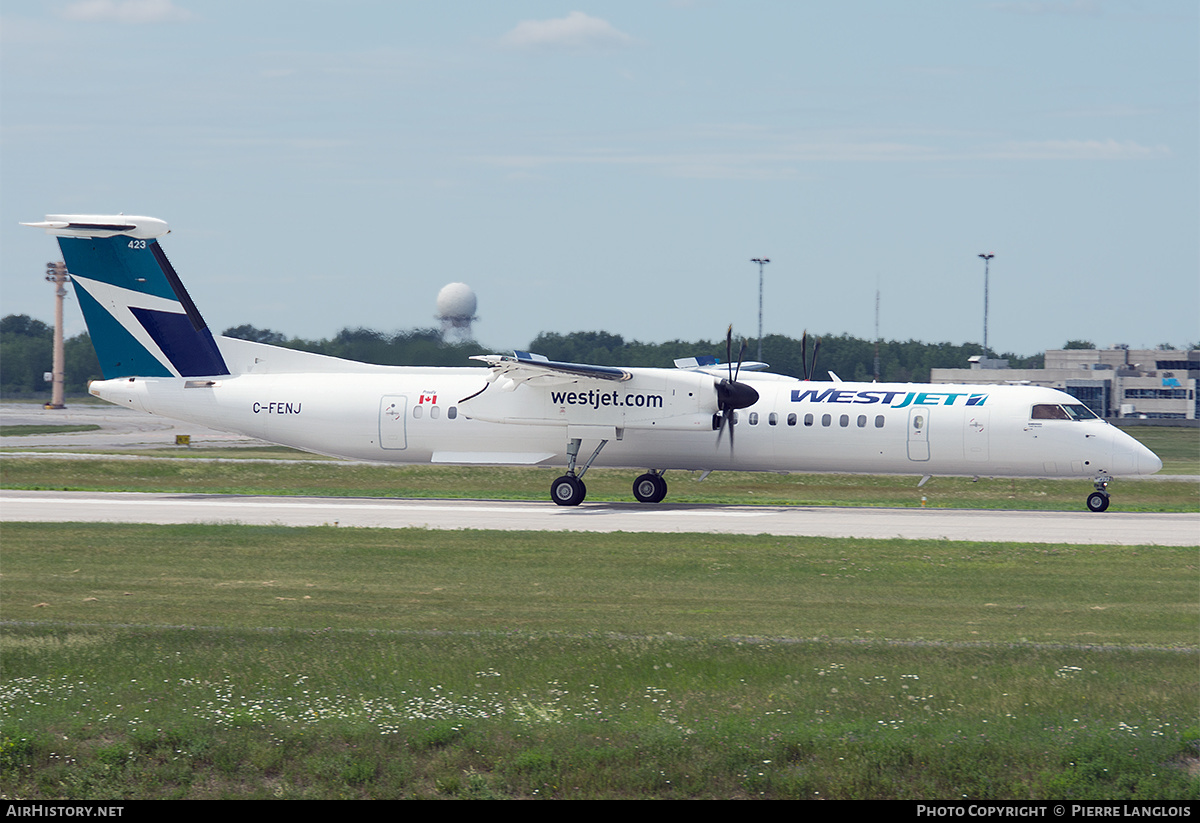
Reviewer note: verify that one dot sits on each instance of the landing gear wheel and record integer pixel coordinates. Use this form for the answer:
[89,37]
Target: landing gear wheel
[1097,501]
[650,488]
[568,490]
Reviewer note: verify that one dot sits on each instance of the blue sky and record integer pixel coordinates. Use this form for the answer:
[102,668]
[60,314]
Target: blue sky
[615,165]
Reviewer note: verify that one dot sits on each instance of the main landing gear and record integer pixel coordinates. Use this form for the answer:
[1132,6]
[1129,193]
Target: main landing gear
[1098,500]
[650,487]
[569,489]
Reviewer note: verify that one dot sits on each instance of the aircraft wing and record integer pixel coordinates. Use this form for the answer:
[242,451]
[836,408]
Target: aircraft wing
[523,367]
[713,366]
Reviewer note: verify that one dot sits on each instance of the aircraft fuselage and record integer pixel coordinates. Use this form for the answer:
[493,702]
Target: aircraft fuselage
[416,415]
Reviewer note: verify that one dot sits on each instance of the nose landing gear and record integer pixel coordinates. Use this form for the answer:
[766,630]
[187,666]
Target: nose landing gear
[1097,501]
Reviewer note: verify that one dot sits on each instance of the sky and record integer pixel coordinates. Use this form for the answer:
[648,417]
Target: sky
[603,165]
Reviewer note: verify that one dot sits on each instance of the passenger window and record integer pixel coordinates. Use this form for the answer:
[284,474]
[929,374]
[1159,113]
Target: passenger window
[452,412]
[435,412]
[862,421]
[808,419]
[773,419]
[753,418]
[879,421]
[418,411]
[844,421]
[826,420]
[792,419]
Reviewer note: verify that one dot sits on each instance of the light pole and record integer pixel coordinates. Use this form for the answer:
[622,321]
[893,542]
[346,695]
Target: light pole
[987,259]
[761,261]
[56,273]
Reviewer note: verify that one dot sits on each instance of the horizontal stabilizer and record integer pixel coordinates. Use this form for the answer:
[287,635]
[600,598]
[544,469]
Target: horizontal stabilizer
[102,225]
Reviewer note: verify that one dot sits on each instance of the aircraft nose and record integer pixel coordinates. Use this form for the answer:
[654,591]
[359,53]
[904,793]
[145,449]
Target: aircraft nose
[1129,456]
[1148,462]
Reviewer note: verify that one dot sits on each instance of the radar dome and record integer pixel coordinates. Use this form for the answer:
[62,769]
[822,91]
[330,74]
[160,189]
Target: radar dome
[456,301]
[456,310]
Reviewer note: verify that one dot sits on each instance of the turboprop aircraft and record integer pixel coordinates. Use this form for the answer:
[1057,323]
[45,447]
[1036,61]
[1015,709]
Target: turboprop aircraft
[159,356]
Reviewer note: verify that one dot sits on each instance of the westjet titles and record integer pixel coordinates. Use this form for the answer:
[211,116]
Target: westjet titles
[921,398]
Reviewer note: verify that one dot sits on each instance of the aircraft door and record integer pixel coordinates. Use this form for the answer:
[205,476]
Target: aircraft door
[976,435]
[393,420]
[918,434]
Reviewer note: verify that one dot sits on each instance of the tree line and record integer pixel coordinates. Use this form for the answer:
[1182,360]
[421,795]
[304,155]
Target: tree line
[26,353]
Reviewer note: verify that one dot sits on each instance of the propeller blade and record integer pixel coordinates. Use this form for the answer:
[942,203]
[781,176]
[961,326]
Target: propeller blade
[804,353]
[732,395]
[729,349]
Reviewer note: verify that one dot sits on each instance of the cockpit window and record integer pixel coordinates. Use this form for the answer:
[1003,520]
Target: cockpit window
[1072,411]
[1046,411]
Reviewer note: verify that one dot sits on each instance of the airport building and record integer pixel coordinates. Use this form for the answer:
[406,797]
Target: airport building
[1116,382]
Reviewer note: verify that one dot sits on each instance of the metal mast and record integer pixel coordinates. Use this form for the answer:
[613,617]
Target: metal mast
[987,259]
[761,261]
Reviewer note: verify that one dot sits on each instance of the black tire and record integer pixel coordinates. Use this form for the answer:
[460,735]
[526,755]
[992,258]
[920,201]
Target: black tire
[1097,501]
[568,491]
[650,488]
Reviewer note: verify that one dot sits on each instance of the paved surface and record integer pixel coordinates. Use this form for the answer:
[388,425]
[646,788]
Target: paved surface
[1109,528]
[119,428]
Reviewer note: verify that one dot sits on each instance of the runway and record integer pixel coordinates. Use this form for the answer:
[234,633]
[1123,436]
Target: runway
[1080,528]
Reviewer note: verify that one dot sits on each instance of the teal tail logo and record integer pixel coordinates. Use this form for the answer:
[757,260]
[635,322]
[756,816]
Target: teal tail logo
[140,317]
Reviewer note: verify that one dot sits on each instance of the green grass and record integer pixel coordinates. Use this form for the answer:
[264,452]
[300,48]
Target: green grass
[235,661]
[690,584]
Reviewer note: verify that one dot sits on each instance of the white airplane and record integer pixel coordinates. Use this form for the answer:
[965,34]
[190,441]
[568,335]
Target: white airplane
[158,356]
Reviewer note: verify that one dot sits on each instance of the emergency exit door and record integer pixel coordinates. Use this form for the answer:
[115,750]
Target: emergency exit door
[393,420]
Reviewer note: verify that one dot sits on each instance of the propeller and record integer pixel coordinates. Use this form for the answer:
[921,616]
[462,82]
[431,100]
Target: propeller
[809,371]
[732,395]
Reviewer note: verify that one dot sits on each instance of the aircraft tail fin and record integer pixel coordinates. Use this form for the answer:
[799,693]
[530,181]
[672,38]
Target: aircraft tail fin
[140,317]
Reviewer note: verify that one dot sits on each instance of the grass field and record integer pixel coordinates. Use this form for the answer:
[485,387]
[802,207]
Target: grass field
[234,661]
[229,661]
